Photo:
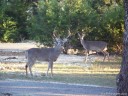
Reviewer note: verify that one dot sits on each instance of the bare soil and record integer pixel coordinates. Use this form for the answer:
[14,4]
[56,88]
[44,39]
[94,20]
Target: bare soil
[15,52]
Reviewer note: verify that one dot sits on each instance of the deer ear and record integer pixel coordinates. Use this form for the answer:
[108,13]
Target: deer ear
[78,34]
[65,40]
[57,39]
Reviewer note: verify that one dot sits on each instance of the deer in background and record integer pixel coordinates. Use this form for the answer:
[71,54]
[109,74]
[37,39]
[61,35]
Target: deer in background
[98,46]
[45,54]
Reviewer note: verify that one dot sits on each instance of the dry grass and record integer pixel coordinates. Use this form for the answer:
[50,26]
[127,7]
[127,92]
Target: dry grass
[101,73]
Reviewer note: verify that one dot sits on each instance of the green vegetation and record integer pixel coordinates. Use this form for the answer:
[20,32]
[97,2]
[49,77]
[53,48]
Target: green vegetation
[36,20]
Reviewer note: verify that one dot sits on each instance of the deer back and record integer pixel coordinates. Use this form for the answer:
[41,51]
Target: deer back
[95,45]
[43,54]
[46,54]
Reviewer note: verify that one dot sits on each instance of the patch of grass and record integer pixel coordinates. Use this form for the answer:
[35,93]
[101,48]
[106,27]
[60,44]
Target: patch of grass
[100,73]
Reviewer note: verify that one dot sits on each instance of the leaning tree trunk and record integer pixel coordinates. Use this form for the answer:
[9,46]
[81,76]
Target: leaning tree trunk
[122,78]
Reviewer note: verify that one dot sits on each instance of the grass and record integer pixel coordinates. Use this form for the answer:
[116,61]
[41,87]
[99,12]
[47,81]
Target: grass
[100,73]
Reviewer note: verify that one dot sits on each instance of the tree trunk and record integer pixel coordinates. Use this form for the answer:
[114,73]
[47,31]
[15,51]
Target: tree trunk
[122,77]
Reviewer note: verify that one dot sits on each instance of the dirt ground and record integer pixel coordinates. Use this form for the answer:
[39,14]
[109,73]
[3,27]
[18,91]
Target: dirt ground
[14,52]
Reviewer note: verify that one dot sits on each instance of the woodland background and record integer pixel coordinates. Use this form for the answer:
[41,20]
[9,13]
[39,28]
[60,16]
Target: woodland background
[37,20]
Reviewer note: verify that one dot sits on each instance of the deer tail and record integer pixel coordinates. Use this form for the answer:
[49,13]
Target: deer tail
[26,66]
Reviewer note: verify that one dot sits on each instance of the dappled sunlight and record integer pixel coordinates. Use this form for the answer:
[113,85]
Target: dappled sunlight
[64,69]
[67,69]
[99,73]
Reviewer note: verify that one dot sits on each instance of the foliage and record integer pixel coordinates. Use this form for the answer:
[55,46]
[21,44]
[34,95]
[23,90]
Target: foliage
[13,20]
[37,20]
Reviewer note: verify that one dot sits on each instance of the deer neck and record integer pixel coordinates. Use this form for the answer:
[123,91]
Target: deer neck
[58,49]
[83,42]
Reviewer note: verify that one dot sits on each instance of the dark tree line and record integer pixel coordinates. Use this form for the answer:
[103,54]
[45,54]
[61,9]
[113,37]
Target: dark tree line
[37,19]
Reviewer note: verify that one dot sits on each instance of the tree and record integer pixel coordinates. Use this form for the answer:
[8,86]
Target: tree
[37,19]
[122,77]
[13,20]
[113,26]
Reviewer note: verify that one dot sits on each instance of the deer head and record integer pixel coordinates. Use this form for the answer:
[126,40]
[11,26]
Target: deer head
[81,36]
[58,42]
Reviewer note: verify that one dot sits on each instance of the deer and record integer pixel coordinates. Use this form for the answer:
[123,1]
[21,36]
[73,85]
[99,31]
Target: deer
[49,55]
[97,46]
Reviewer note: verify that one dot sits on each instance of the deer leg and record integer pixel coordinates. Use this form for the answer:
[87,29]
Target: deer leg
[30,64]
[97,53]
[51,69]
[50,66]
[107,54]
[86,57]
[47,71]
[104,55]
[30,69]
[26,68]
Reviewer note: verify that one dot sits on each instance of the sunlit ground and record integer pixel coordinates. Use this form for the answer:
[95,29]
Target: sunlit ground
[100,73]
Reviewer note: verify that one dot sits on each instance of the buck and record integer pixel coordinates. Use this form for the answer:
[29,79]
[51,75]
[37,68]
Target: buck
[97,46]
[45,54]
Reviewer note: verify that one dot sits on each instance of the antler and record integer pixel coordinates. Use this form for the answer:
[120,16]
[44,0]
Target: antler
[54,33]
[69,34]
[78,34]
[55,36]
[81,36]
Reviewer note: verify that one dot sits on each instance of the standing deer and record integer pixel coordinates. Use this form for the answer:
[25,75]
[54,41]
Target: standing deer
[98,46]
[45,54]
